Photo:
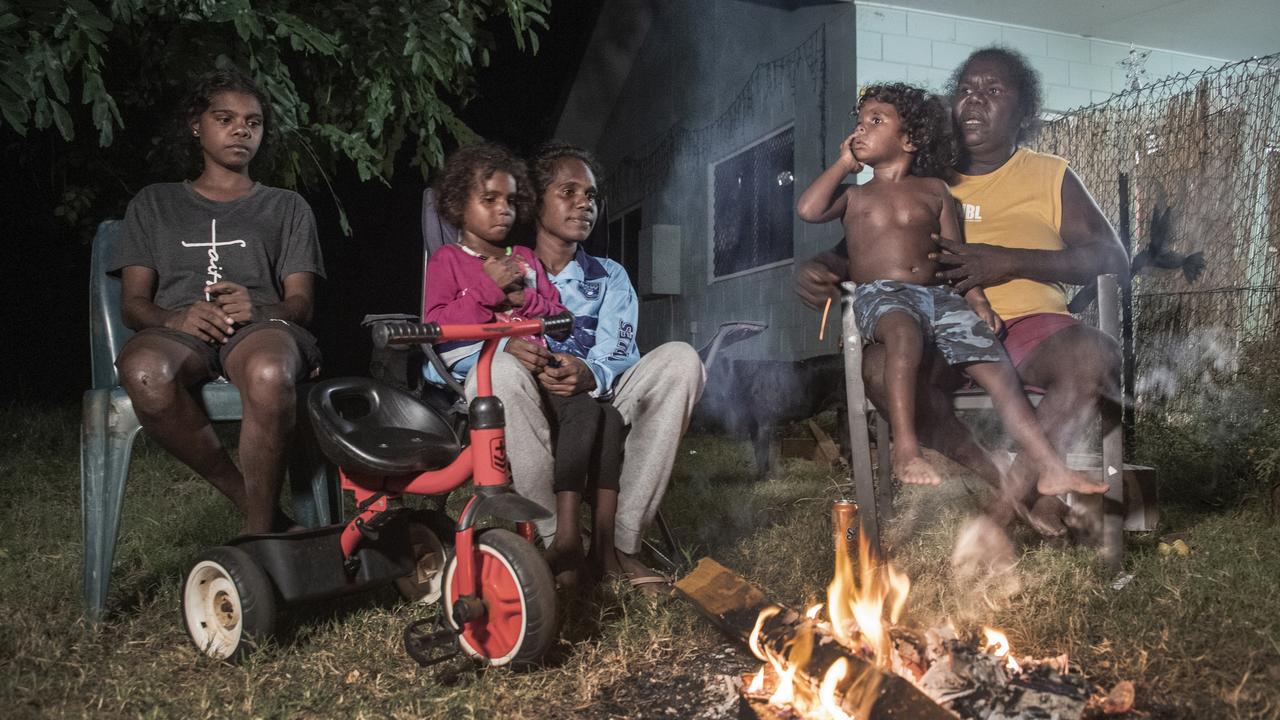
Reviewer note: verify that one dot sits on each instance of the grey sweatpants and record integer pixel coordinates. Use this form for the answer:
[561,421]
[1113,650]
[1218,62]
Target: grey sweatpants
[655,398]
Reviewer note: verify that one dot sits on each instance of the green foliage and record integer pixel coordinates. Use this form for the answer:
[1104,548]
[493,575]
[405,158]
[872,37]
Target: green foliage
[1221,446]
[348,81]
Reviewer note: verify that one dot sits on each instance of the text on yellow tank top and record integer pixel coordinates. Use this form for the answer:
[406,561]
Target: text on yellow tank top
[1019,205]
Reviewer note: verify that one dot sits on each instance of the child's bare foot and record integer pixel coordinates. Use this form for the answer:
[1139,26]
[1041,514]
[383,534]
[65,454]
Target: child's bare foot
[914,469]
[1045,517]
[1059,480]
[567,563]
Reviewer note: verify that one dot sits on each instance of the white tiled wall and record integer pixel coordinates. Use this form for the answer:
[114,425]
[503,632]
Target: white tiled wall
[923,48]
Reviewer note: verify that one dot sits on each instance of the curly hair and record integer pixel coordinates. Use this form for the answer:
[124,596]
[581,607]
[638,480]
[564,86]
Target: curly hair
[926,121]
[1025,80]
[203,91]
[467,169]
[546,156]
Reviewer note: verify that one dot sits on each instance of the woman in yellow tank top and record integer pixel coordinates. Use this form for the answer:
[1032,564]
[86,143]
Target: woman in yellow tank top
[1031,228]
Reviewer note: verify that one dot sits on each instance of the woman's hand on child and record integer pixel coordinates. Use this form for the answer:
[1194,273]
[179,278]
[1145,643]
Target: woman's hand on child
[533,356]
[204,320]
[971,265]
[503,271]
[815,283]
[988,315]
[233,300]
[569,378]
[846,156]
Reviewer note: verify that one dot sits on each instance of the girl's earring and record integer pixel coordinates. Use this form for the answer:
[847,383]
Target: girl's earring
[195,133]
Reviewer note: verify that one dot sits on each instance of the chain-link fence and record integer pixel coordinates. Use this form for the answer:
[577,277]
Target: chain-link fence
[1188,170]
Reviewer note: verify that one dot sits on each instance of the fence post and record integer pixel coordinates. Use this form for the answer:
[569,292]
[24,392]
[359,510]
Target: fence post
[1128,361]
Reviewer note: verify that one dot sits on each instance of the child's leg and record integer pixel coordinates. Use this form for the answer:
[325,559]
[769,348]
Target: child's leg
[606,469]
[904,345]
[575,421]
[1001,382]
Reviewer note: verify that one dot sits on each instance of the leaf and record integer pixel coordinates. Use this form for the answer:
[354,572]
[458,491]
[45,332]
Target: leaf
[57,82]
[8,20]
[62,119]
[16,116]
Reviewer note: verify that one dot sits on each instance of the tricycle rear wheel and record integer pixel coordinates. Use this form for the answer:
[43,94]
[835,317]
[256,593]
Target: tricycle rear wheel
[228,604]
[431,546]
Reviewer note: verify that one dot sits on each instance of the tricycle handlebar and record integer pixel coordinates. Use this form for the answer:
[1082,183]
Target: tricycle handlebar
[408,333]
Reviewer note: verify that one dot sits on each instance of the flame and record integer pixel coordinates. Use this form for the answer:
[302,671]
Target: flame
[827,693]
[754,641]
[998,645]
[785,694]
[863,603]
[858,600]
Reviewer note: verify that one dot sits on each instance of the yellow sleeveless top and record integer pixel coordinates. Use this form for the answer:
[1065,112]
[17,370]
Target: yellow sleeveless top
[1017,206]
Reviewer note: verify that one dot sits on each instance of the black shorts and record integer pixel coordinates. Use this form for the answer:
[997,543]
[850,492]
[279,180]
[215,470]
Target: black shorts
[215,355]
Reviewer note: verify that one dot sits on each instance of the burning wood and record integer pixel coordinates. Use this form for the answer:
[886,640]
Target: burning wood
[858,663]
[734,605]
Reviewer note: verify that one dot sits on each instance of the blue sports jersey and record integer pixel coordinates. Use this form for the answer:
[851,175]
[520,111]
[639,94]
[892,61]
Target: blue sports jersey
[605,307]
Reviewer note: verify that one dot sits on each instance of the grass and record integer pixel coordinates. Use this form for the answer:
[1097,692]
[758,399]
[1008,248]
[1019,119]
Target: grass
[1198,634]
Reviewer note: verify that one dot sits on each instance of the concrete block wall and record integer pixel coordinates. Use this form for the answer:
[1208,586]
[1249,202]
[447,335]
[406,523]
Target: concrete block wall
[923,48]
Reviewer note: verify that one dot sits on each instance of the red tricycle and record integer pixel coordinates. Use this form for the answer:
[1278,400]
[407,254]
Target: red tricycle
[496,593]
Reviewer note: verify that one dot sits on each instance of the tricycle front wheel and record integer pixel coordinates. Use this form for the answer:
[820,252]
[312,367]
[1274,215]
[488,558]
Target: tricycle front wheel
[515,584]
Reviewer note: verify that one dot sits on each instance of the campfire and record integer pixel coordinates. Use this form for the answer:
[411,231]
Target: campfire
[850,658]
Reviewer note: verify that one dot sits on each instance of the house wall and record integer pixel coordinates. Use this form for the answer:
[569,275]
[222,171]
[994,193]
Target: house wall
[677,114]
[696,93]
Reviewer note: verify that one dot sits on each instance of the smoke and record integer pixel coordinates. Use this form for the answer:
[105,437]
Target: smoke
[983,569]
[1187,364]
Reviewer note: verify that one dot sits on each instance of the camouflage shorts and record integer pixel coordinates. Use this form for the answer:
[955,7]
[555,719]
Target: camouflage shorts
[944,317]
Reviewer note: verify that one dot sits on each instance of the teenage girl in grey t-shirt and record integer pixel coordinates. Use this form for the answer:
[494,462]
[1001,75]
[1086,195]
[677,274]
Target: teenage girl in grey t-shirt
[218,278]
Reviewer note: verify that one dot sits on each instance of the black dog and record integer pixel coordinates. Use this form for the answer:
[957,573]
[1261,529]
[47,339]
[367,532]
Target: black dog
[749,398]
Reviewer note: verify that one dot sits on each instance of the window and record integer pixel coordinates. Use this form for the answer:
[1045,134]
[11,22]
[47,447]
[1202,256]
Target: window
[624,243]
[751,207]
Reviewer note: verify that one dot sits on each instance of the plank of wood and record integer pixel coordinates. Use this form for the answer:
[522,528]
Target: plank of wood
[826,446]
[733,604]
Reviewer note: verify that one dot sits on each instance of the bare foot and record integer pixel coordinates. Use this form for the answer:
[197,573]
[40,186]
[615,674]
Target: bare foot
[566,562]
[1056,481]
[642,577]
[916,470]
[1045,516]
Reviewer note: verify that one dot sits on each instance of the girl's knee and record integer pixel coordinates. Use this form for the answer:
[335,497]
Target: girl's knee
[268,383]
[145,373]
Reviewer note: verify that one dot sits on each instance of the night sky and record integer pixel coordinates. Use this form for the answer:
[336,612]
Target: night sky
[45,359]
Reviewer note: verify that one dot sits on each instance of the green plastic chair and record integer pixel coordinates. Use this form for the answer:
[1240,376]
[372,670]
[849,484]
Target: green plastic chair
[109,427]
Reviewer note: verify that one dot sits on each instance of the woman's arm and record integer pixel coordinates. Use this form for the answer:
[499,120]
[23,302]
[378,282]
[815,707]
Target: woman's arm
[1091,248]
[296,306]
[819,277]
[202,319]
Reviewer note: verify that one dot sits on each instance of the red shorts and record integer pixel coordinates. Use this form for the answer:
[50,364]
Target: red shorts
[1023,334]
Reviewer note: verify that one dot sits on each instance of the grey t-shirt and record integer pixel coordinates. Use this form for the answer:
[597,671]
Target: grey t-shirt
[191,241]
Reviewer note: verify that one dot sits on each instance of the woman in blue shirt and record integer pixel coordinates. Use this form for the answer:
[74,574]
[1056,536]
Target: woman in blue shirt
[655,394]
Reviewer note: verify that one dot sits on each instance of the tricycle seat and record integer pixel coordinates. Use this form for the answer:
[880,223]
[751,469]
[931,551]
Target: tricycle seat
[368,427]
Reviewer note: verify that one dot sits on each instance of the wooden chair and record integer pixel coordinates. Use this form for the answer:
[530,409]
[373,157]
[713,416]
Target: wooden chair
[875,499]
